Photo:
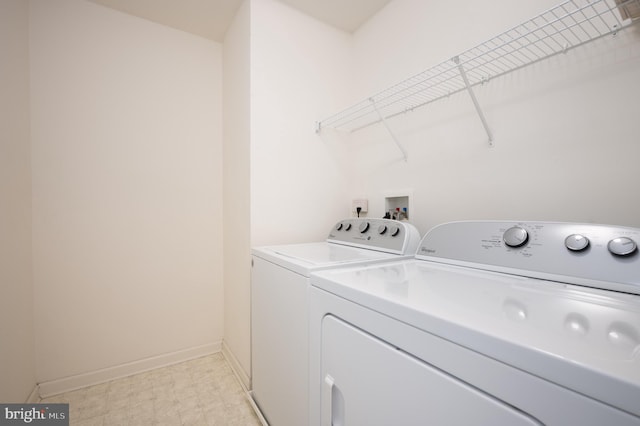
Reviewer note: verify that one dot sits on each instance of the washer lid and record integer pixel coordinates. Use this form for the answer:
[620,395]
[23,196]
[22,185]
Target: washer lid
[321,254]
[584,339]
[304,258]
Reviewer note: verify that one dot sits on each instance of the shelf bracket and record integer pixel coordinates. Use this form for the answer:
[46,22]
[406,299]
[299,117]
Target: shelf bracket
[393,136]
[463,74]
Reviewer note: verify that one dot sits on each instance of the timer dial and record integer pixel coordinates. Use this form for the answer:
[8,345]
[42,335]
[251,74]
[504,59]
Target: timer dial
[576,242]
[394,230]
[515,236]
[622,246]
[382,229]
[364,226]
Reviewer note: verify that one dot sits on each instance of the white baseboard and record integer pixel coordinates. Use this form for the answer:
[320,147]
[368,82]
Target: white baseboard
[256,409]
[244,379]
[34,397]
[235,365]
[66,384]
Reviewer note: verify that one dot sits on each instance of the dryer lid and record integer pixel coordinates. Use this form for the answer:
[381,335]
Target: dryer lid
[571,335]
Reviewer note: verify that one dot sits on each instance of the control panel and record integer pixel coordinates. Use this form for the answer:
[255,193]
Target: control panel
[599,256]
[376,234]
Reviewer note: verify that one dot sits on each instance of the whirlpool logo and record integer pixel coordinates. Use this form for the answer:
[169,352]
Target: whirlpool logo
[37,414]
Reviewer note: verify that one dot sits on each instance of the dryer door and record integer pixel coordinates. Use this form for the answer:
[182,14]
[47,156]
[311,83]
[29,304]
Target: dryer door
[369,382]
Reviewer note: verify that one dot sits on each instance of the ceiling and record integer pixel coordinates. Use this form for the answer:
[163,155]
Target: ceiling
[211,18]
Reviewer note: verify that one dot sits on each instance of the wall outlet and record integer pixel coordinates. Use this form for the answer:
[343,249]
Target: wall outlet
[362,203]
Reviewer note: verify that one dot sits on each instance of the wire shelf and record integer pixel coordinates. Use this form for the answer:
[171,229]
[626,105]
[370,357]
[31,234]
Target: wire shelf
[559,29]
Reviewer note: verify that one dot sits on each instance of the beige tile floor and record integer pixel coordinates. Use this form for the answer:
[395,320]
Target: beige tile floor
[202,392]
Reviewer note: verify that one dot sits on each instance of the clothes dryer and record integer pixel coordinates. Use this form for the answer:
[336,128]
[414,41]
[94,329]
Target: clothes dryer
[279,306]
[493,323]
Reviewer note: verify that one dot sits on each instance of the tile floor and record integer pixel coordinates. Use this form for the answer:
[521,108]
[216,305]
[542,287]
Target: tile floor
[202,392]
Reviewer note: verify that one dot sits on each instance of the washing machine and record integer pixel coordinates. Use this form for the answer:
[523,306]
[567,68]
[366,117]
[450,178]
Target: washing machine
[280,300]
[492,323]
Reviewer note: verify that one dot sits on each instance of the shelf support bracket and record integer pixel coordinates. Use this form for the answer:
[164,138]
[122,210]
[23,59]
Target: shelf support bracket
[386,125]
[463,74]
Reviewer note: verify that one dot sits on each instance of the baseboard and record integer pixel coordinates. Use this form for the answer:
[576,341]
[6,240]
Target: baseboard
[34,397]
[235,365]
[244,379]
[256,409]
[66,384]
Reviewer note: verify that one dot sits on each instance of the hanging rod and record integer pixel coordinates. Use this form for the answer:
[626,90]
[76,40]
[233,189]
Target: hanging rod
[559,29]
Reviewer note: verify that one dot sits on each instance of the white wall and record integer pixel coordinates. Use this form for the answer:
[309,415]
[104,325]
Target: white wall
[127,192]
[300,72]
[17,362]
[283,71]
[237,236]
[565,134]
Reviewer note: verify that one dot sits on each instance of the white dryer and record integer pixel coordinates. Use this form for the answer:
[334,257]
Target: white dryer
[279,306]
[493,323]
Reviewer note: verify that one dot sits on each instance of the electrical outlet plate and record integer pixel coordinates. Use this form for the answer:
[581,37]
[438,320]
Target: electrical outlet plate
[360,202]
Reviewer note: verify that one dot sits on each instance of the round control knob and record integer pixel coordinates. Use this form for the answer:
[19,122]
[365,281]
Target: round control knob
[515,237]
[576,242]
[622,246]
[364,226]
[338,226]
[382,229]
[347,226]
[394,231]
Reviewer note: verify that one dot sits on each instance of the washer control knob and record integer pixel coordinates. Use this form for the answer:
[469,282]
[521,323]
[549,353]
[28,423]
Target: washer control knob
[515,237]
[622,246]
[339,226]
[394,230]
[347,226]
[364,227]
[382,229]
[576,242]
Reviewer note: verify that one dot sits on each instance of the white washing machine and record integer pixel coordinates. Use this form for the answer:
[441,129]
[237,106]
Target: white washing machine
[279,306]
[493,323]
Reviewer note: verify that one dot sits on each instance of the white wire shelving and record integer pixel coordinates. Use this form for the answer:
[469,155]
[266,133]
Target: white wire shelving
[566,26]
